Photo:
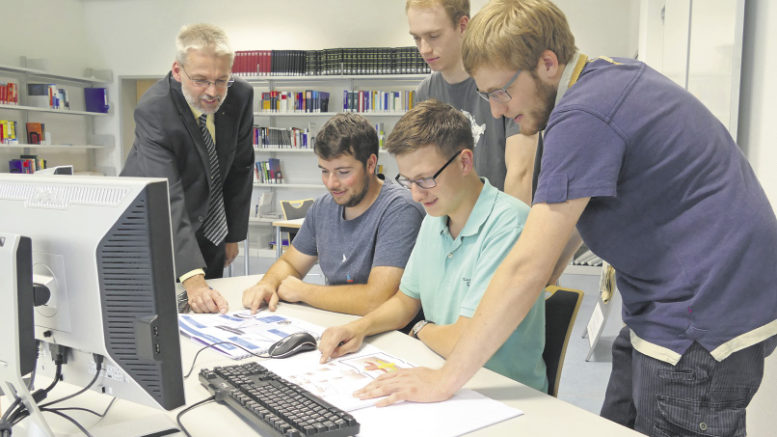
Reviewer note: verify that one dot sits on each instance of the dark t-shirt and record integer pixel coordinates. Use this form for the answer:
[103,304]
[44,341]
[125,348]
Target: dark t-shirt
[489,132]
[675,207]
[347,250]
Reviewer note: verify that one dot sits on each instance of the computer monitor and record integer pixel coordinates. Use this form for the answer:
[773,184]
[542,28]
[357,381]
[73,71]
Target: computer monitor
[103,247]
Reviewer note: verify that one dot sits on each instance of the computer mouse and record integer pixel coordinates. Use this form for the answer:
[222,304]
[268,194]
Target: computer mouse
[292,345]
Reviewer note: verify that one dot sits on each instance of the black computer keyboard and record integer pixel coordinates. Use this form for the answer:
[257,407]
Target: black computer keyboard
[275,406]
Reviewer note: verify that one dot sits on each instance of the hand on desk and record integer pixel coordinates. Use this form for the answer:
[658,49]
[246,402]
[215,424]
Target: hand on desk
[340,340]
[419,384]
[258,294]
[292,289]
[202,298]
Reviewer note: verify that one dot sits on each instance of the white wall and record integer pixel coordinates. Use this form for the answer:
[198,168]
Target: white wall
[53,30]
[136,37]
[758,138]
[759,93]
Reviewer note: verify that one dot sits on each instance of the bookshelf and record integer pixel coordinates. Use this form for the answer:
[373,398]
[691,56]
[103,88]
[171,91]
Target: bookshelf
[301,175]
[70,130]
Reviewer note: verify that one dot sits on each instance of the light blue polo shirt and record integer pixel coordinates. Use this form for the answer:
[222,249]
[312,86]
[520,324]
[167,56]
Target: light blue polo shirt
[450,275]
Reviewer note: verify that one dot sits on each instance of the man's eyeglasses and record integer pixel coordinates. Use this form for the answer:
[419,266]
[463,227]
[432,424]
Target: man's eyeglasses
[425,183]
[501,95]
[202,83]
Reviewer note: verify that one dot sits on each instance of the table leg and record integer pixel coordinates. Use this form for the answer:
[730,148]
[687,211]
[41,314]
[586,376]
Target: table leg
[278,242]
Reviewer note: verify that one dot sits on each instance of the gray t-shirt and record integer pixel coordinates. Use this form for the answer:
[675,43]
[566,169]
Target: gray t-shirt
[347,250]
[489,132]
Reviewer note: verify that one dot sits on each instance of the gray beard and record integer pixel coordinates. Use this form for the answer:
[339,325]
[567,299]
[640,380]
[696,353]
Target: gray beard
[196,104]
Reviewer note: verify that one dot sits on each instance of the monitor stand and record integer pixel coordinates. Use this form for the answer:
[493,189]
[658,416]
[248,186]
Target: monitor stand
[18,348]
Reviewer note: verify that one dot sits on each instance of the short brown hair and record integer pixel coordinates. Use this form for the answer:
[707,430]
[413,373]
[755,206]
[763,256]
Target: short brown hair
[347,133]
[431,123]
[514,33]
[454,8]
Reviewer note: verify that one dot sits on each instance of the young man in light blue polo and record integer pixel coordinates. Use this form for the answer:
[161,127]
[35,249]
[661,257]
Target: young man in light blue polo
[469,228]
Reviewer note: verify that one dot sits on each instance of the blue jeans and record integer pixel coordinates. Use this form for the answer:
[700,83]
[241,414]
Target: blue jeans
[697,397]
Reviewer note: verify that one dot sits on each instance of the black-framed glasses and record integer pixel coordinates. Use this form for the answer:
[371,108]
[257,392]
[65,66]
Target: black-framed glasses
[501,95]
[425,183]
[202,83]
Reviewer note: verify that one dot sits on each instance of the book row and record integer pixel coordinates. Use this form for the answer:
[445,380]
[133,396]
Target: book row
[286,138]
[9,93]
[378,101]
[47,95]
[268,172]
[26,164]
[294,101]
[36,132]
[336,61]
[8,130]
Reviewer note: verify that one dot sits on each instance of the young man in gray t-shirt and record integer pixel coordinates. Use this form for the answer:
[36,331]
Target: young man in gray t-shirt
[501,154]
[361,232]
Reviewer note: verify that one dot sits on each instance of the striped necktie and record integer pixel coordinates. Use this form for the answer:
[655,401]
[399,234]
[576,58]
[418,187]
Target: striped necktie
[215,226]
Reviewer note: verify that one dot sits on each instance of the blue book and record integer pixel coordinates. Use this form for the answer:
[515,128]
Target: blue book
[96,99]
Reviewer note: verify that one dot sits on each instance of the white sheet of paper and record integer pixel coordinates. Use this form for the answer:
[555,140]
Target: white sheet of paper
[465,412]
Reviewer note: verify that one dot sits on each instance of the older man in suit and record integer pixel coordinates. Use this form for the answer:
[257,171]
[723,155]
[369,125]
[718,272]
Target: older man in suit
[194,127]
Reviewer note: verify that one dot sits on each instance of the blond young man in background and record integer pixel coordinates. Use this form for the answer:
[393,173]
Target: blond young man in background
[502,155]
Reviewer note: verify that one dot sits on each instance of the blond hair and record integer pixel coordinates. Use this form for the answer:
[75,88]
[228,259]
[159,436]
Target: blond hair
[514,33]
[431,123]
[202,36]
[454,8]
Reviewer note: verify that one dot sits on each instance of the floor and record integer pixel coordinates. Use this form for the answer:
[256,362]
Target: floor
[583,383]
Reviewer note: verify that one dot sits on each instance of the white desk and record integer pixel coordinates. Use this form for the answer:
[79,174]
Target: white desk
[544,415]
[294,224]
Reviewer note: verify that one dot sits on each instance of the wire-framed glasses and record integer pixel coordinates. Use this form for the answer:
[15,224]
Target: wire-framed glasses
[500,95]
[202,83]
[425,183]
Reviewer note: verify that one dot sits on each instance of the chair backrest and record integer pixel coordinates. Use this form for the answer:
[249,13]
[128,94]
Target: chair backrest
[295,209]
[560,312]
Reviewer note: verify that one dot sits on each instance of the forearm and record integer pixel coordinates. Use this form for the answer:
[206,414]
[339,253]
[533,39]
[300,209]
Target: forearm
[518,184]
[440,338]
[357,299]
[393,314]
[279,271]
[572,245]
[519,160]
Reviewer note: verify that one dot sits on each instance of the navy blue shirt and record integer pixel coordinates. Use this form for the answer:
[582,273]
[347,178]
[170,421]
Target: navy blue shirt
[675,207]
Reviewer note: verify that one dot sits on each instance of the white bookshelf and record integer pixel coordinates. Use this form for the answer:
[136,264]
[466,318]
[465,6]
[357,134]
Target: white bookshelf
[71,130]
[55,111]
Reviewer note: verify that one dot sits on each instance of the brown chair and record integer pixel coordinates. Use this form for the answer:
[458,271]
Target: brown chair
[561,308]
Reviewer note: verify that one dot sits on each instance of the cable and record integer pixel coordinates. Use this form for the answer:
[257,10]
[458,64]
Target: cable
[73,421]
[187,409]
[57,377]
[98,359]
[8,412]
[18,411]
[87,410]
[194,360]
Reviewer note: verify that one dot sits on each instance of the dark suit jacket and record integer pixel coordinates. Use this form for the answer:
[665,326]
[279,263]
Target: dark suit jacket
[168,144]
